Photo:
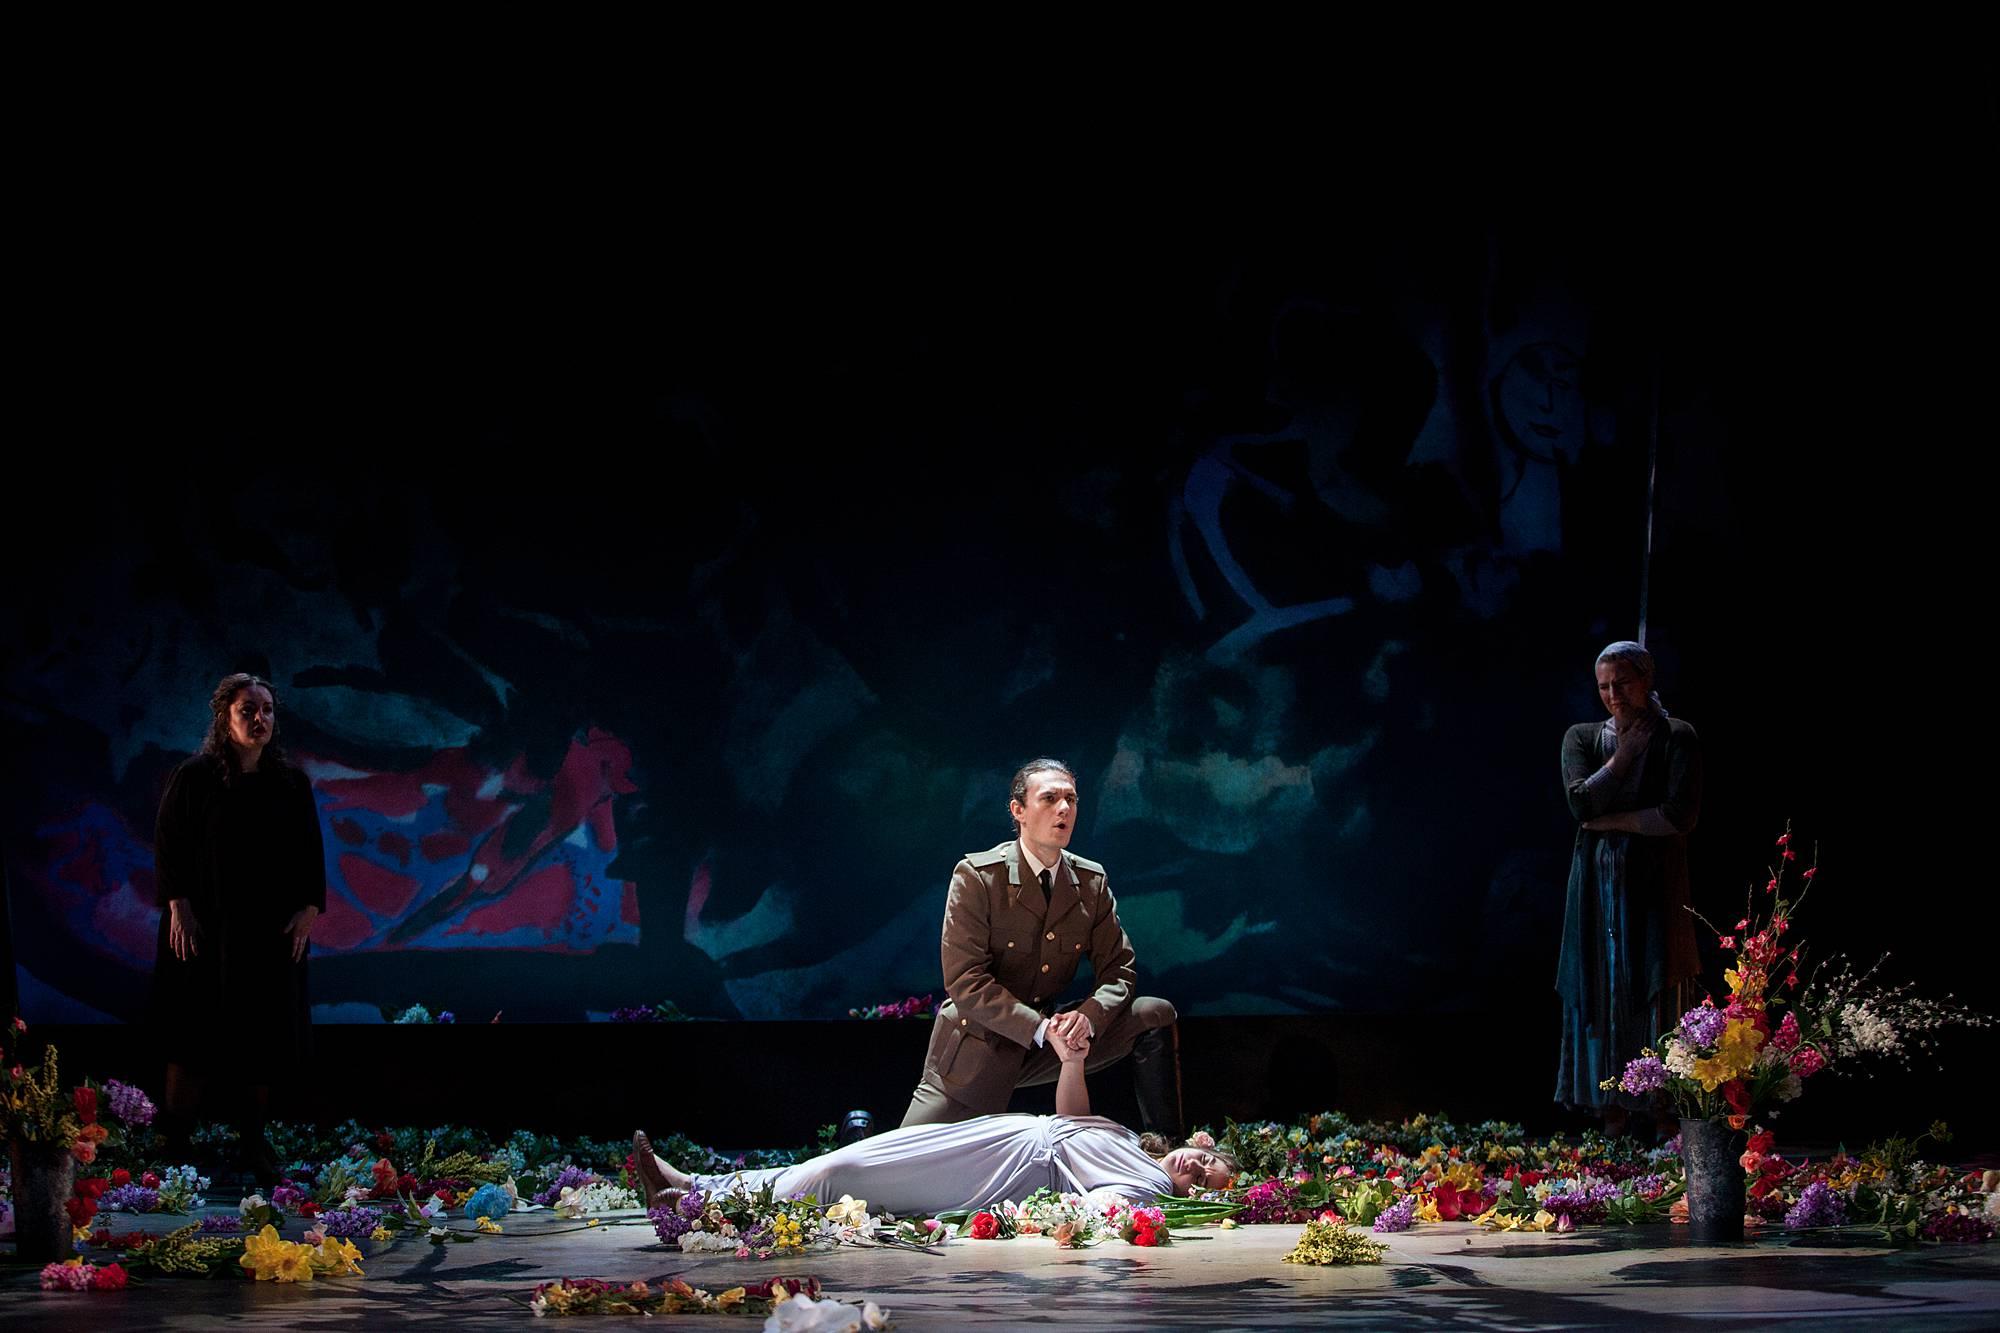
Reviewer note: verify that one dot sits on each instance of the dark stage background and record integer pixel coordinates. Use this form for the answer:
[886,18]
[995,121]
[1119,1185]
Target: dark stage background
[664,631]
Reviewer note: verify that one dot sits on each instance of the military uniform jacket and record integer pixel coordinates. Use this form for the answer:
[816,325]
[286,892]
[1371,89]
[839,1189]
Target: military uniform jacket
[1006,959]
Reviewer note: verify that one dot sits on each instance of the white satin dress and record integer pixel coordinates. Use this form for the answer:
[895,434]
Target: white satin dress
[973,1164]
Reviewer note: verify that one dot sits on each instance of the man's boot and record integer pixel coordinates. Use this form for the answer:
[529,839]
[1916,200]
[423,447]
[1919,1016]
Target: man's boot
[1156,1081]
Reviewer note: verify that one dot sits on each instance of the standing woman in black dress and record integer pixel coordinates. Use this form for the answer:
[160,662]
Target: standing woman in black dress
[1628,946]
[241,875]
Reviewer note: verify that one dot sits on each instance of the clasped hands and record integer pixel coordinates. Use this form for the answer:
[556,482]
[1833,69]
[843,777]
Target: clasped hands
[1069,1031]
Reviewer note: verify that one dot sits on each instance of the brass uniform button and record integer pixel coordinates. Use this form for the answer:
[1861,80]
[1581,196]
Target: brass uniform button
[1045,967]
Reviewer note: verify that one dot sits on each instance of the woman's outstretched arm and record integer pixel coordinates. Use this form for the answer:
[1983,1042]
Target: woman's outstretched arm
[1072,1093]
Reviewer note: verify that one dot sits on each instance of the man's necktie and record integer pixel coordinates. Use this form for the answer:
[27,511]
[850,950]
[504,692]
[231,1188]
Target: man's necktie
[1046,893]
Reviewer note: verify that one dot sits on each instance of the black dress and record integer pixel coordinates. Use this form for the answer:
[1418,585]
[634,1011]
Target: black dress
[245,850]
[1628,939]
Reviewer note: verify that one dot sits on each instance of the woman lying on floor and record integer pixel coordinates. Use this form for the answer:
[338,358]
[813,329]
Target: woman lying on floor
[936,1168]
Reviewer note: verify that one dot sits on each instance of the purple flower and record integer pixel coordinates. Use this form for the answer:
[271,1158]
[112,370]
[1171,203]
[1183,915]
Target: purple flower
[350,1222]
[134,1198]
[572,1177]
[287,1198]
[221,1222]
[1644,1075]
[637,1013]
[1818,1206]
[1582,1202]
[672,1221]
[1397,1216]
[1703,1025]
[1272,1201]
[129,1104]
[1960,1228]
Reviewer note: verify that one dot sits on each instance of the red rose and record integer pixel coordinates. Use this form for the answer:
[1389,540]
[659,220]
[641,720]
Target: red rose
[985,1226]
[150,1181]
[121,1178]
[86,1106]
[110,1277]
[80,1209]
[1763,1141]
[1737,1093]
[89,1187]
[310,1208]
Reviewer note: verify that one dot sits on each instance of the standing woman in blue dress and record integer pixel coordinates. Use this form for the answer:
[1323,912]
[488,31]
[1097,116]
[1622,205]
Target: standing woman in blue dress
[240,870]
[1628,945]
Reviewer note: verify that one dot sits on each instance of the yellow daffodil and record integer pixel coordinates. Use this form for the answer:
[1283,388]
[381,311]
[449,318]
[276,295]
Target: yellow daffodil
[272,1260]
[1734,1054]
[336,1258]
[1427,1211]
[489,1226]
[381,1234]
[591,1222]
[730,1299]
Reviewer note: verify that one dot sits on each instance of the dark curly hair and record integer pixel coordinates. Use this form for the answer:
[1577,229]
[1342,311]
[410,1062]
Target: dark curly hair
[216,744]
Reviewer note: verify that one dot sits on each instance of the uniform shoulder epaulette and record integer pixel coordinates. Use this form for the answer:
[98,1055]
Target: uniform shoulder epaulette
[991,856]
[1084,863]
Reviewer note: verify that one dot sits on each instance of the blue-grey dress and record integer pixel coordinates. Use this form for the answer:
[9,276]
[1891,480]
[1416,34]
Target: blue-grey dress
[1628,941]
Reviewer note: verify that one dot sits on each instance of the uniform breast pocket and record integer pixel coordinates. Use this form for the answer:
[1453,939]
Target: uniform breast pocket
[1071,946]
[1013,935]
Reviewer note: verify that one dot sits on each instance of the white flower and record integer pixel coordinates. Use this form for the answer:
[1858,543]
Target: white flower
[437,1233]
[853,1212]
[570,1203]
[1789,1087]
[1868,1031]
[251,1203]
[803,1314]
[1993,1205]
[707,1242]
[1679,1060]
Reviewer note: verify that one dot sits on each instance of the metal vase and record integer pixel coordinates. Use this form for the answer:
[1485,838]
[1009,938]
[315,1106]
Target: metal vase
[1715,1198]
[43,1177]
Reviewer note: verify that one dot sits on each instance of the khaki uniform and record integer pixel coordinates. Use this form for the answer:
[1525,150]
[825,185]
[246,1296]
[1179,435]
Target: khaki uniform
[1006,959]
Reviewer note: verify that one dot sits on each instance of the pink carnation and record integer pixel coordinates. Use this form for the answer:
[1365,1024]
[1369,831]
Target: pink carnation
[1787,1035]
[1807,1061]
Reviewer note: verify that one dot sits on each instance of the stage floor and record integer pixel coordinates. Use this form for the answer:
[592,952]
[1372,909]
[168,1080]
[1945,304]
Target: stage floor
[1450,1276]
